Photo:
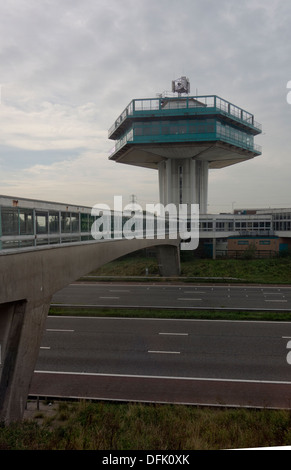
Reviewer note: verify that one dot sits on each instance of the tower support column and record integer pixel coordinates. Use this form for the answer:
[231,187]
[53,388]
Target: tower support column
[184,181]
[202,185]
[162,181]
[169,186]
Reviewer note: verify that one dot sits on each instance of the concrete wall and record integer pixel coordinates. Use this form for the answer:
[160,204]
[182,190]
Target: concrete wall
[28,280]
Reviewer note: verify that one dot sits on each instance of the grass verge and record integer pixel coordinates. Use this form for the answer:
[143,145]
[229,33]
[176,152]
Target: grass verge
[134,426]
[171,313]
[264,271]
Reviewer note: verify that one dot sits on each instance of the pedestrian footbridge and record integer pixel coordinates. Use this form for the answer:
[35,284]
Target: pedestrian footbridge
[44,247]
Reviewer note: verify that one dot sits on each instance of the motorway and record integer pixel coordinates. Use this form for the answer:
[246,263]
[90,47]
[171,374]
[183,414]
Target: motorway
[201,362]
[176,296]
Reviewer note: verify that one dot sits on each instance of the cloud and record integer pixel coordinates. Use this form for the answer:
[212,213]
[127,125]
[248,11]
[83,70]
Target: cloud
[51,126]
[89,178]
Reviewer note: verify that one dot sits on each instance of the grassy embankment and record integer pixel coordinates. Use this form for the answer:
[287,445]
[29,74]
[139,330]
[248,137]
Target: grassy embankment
[265,271]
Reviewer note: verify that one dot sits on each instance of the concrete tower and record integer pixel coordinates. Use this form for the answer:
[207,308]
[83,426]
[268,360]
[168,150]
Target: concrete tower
[182,137]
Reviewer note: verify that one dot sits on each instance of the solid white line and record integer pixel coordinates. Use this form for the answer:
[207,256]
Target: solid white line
[164,352]
[204,379]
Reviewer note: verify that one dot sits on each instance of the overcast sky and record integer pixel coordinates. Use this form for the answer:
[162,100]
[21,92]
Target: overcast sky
[68,68]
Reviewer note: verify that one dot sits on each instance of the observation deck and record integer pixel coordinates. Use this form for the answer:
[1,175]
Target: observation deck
[205,127]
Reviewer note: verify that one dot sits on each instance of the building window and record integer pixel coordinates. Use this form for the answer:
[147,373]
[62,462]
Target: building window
[10,221]
[54,222]
[65,222]
[41,222]
[26,221]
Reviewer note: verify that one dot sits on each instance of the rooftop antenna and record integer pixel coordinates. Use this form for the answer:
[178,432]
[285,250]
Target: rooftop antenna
[133,199]
[134,206]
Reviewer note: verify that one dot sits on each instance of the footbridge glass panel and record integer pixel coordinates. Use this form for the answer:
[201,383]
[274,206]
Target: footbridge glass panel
[26,224]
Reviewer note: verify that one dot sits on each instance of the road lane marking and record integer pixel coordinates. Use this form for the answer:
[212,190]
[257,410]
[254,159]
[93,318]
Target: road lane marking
[174,334]
[193,292]
[44,347]
[164,352]
[59,330]
[108,297]
[184,298]
[275,300]
[206,379]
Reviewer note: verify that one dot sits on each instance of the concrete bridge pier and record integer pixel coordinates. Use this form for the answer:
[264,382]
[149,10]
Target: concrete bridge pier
[169,260]
[21,328]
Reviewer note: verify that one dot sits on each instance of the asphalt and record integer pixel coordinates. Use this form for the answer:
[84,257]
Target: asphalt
[215,363]
[180,296]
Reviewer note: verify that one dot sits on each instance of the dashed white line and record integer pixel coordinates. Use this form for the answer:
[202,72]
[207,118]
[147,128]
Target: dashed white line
[184,298]
[59,330]
[164,352]
[193,292]
[108,297]
[174,334]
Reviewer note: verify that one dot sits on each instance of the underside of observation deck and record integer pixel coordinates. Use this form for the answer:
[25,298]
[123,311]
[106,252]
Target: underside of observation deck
[218,154]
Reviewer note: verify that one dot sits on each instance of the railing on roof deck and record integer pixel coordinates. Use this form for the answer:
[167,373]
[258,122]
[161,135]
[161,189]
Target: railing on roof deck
[189,102]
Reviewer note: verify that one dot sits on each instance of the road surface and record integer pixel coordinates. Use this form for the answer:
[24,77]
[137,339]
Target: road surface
[176,296]
[233,363]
